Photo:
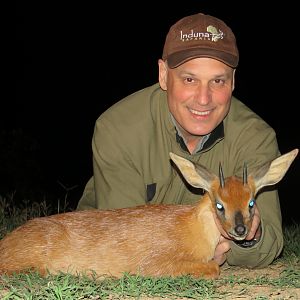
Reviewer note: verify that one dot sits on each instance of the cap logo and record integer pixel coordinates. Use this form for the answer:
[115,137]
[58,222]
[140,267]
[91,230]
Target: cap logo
[211,34]
[200,35]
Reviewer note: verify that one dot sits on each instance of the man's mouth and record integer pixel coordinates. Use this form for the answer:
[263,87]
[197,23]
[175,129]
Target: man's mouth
[200,113]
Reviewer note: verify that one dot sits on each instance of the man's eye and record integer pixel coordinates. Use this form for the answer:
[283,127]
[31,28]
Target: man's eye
[219,81]
[189,79]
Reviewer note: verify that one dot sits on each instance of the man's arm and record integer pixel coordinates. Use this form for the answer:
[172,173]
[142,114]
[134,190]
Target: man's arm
[263,147]
[116,182]
[270,244]
[256,144]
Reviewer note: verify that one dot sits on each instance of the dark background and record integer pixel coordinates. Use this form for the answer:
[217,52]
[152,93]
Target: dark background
[74,60]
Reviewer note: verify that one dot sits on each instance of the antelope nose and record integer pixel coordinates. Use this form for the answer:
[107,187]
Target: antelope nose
[240,230]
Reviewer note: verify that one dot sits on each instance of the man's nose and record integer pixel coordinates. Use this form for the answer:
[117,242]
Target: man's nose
[203,94]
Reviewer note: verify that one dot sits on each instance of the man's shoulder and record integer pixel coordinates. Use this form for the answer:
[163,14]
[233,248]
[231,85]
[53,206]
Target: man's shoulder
[243,125]
[241,116]
[136,113]
[134,104]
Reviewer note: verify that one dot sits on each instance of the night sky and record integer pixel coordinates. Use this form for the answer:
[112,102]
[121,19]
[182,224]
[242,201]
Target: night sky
[75,60]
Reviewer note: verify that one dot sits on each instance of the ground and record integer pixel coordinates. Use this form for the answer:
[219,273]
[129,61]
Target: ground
[244,291]
[252,292]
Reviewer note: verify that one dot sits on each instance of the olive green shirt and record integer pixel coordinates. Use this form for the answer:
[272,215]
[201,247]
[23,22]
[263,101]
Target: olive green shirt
[131,163]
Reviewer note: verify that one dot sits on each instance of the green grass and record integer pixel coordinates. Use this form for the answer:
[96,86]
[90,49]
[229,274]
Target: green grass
[65,286]
[72,287]
[291,251]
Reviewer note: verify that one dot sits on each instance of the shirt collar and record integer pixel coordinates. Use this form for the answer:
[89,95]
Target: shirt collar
[206,142]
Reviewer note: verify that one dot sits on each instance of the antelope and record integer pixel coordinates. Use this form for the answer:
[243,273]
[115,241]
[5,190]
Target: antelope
[148,240]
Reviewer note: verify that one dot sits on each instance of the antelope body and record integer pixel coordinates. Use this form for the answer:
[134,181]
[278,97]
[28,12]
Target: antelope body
[154,240]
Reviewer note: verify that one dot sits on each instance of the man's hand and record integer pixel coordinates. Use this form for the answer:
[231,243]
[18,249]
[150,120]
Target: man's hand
[223,245]
[255,231]
[221,249]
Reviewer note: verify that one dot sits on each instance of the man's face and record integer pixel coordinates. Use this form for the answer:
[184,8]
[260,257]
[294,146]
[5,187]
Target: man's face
[199,93]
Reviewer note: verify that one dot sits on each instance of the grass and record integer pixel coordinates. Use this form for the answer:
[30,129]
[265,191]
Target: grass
[65,286]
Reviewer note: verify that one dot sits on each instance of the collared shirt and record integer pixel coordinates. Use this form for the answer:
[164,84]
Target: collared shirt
[183,142]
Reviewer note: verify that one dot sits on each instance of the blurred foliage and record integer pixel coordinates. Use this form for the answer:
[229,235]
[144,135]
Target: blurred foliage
[26,171]
[20,170]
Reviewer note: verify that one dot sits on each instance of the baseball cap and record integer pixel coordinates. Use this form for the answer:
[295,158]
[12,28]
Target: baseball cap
[200,35]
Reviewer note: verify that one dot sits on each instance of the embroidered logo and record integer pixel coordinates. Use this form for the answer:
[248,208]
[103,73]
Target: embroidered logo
[211,34]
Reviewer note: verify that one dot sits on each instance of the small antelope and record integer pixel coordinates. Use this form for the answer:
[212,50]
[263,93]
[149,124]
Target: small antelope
[150,240]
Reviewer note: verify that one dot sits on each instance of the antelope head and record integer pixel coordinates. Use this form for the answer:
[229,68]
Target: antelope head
[233,198]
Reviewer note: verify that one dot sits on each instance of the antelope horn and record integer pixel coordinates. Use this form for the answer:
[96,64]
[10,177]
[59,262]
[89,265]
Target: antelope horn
[221,176]
[245,175]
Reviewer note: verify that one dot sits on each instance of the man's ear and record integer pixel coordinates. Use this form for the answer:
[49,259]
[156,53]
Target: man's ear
[162,75]
[233,80]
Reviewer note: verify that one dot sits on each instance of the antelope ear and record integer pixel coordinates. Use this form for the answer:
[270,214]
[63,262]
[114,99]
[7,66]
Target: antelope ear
[195,174]
[273,171]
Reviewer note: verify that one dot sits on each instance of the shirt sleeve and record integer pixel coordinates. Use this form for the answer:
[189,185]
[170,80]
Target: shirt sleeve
[263,148]
[117,182]
[271,242]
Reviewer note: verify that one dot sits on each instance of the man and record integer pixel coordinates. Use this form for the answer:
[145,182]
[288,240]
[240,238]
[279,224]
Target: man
[190,112]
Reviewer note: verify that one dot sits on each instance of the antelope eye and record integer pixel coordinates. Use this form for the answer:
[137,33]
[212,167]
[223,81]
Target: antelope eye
[219,206]
[251,203]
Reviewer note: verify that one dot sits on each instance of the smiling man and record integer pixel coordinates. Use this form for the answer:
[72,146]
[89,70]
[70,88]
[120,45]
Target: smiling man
[191,112]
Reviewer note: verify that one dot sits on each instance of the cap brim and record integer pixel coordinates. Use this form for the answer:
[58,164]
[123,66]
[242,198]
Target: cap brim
[176,59]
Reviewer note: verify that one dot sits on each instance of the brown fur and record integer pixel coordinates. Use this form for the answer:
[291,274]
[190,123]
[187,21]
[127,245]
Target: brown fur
[150,240]
[155,240]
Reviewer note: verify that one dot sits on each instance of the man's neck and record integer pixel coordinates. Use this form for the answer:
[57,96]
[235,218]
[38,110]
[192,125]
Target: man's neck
[193,143]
